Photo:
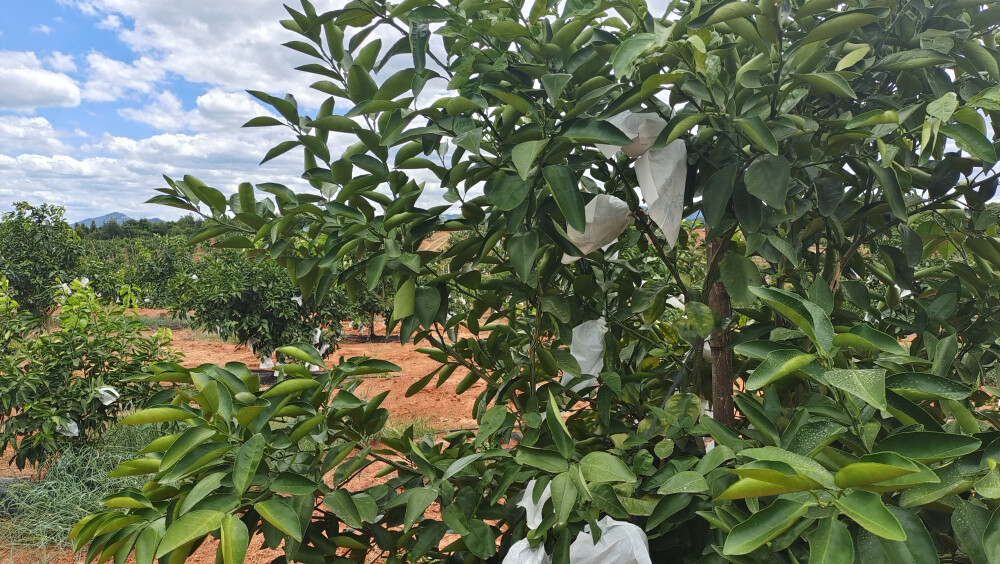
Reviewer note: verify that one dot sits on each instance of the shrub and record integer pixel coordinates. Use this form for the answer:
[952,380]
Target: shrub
[253,303]
[38,249]
[67,385]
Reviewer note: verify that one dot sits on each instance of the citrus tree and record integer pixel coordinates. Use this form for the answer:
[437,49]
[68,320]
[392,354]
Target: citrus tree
[38,250]
[841,327]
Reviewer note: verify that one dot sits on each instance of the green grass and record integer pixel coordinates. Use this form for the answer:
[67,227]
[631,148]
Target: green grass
[395,428]
[45,511]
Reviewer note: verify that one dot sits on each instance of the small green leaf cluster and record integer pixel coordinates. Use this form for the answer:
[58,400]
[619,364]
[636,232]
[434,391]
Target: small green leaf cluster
[55,379]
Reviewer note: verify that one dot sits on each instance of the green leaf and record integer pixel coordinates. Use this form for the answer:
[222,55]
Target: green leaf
[593,131]
[943,107]
[928,446]
[803,465]
[554,84]
[758,133]
[972,141]
[189,527]
[716,195]
[564,495]
[829,82]
[560,434]
[684,482]
[852,58]
[867,510]
[299,351]
[481,541]
[866,384]
[160,414]
[804,314]
[234,540]
[767,178]
[969,521]
[872,468]
[919,386]
[844,22]
[739,274]
[563,184]
[541,458]
[918,548]
[891,188]
[427,302]
[282,516]
[600,467]
[508,192]
[628,51]
[524,154]
[677,126]
[402,304]
[777,365]
[912,59]
[750,487]
[342,504]
[263,121]
[701,318]
[417,502]
[293,484]
[248,458]
[763,526]
[866,338]
[290,386]
[522,248]
[205,486]
[830,543]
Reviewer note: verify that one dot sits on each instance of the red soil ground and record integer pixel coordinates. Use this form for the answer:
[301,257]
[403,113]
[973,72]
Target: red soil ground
[433,408]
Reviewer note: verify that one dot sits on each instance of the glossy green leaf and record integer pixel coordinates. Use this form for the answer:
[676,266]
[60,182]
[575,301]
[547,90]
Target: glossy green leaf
[872,468]
[866,509]
[160,414]
[920,386]
[763,526]
[234,540]
[562,182]
[972,141]
[187,528]
[768,179]
[777,365]
[844,22]
[758,133]
[524,155]
[603,467]
[865,384]
[928,446]
[564,494]
[281,515]
[739,274]
[248,458]
[830,543]
[522,248]
[804,314]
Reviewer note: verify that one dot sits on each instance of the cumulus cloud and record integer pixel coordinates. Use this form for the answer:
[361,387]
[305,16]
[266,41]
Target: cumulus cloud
[215,110]
[25,85]
[61,62]
[109,79]
[30,135]
[42,28]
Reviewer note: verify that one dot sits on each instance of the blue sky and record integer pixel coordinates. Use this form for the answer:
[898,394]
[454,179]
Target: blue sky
[99,98]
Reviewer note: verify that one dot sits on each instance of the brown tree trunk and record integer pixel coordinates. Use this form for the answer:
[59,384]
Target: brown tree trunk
[722,354]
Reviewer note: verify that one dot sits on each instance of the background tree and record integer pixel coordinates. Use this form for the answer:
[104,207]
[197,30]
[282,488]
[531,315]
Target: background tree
[839,154]
[38,249]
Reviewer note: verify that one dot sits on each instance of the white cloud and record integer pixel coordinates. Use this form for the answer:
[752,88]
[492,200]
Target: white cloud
[25,85]
[111,21]
[109,79]
[30,135]
[42,28]
[216,110]
[61,62]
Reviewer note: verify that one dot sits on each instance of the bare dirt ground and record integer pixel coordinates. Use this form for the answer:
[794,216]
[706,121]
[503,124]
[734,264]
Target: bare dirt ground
[433,409]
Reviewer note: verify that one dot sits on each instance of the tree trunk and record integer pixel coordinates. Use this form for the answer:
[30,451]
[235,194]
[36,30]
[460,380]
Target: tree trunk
[722,354]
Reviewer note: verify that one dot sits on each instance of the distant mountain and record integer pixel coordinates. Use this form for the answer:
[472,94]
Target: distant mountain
[117,216]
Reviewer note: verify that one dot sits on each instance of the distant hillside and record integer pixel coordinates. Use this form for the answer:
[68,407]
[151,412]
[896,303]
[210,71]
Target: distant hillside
[117,216]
